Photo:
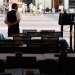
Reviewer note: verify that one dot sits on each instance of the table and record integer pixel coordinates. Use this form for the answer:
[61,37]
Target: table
[38,56]
[51,55]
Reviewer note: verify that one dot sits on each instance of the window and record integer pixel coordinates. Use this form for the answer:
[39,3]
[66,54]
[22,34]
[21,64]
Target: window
[19,0]
[71,3]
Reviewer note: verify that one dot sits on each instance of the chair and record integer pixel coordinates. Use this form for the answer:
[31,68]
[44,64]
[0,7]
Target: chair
[9,45]
[39,48]
[29,30]
[43,34]
[16,49]
[67,65]
[6,74]
[21,40]
[32,34]
[2,66]
[47,30]
[17,34]
[6,41]
[26,50]
[48,66]
[21,62]
[53,43]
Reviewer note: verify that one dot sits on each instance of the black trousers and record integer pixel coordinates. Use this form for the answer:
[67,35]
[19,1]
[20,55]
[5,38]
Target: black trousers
[12,30]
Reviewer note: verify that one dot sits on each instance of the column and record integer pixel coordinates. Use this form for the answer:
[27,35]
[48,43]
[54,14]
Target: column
[74,38]
[66,4]
[36,2]
[1,2]
[48,3]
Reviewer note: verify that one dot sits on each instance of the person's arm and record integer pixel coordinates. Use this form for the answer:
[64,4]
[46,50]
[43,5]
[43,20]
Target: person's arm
[6,22]
[18,18]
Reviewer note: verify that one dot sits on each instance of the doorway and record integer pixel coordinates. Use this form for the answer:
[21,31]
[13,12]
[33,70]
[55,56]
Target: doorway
[27,2]
[56,3]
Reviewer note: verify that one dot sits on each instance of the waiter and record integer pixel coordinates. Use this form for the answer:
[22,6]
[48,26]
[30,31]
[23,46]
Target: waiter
[12,20]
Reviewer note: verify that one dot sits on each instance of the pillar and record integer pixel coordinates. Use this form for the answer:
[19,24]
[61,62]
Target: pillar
[1,2]
[66,3]
[48,3]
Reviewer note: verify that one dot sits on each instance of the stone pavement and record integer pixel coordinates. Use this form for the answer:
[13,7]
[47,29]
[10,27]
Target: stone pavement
[46,22]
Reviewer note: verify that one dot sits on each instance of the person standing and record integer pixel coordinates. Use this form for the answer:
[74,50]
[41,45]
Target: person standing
[34,10]
[40,9]
[26,9]
[60,8]
[4,8]
[12,20]
[31,7]
[23,8]
[10,8]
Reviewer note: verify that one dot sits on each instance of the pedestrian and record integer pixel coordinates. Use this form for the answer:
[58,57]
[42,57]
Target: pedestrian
[31,7]
[10,8]
[4,8]
[60,8]
[26,10]
[12,20]
[40,10]
[34,10]
[23,8]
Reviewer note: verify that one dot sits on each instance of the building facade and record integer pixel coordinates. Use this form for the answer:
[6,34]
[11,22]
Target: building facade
[46,3]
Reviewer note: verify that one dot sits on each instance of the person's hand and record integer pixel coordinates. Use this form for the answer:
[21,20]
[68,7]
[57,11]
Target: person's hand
[9,24]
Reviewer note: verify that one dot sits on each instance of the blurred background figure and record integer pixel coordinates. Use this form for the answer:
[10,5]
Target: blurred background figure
[60,8]
[10,6]
[31,7]
[34,10]
[40,10]
[4,8]
[23,8]
[26,9]
[7,8]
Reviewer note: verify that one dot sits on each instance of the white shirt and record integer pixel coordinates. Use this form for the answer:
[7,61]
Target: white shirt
[17,16]
[10,7]
[34,8]
[23,6]
[40,7]
[61,7]
[31,5]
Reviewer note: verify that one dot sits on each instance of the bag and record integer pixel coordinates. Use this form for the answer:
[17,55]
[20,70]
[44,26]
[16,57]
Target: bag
[63,43]
[2,37]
